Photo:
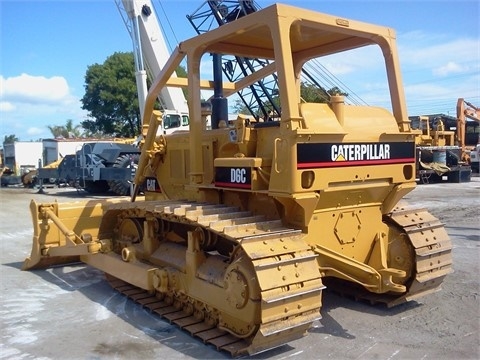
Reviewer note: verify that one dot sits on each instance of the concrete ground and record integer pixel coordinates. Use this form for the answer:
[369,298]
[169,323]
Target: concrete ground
[72,313]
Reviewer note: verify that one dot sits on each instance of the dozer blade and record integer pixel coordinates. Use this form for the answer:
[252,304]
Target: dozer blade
[64,231]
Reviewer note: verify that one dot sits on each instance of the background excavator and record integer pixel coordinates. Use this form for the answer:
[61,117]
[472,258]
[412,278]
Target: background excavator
[447,146]
[470,153]
[242,226]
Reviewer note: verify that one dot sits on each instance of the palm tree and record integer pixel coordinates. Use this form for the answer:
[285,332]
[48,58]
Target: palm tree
[66,131]
[10,139]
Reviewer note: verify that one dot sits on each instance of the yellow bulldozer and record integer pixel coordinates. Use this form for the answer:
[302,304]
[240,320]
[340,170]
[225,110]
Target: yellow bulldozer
[242,226]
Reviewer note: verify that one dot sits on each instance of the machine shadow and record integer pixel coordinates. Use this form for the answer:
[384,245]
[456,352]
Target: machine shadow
[332,300]
[91,283]
[76,193]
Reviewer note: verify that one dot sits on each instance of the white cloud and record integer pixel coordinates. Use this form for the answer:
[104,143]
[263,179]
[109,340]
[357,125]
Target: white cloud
[34,131]
[426,91]
[29,104]
[450,68]
[338,68]
[6,106]
[440,58]
[420,37]
[437,70]
[362,59]
[34,89]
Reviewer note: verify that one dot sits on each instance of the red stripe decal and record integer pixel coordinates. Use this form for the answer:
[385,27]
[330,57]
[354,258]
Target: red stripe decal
[353,163]
[233,185]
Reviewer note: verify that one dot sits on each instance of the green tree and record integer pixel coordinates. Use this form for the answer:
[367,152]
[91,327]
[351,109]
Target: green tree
[111,97]
[336,91]
[66,131]
[315,94]
[309,93]
[10,139]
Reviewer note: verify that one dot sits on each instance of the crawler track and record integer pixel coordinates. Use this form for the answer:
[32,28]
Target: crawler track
[201,329]
[285,268]
[433,259]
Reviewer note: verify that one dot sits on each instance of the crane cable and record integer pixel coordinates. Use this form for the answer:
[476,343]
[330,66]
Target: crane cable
[170,46]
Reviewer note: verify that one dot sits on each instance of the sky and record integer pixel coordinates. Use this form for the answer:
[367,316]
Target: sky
[47,46]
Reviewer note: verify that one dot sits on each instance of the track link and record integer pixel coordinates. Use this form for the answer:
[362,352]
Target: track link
[433,250]
[433,259]
[207,332]
[284,266]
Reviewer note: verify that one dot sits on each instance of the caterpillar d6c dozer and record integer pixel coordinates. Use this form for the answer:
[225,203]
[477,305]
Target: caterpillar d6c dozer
[241,226]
